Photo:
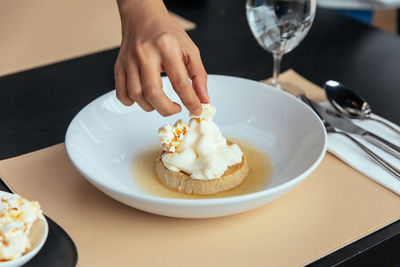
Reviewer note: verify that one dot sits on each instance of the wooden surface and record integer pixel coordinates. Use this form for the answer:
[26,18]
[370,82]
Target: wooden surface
[386,19]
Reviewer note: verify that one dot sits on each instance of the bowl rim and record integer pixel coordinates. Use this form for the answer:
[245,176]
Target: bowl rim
[33,252]
[212,201]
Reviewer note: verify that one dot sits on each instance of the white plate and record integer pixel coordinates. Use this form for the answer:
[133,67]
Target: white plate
[37,236]
[104,137]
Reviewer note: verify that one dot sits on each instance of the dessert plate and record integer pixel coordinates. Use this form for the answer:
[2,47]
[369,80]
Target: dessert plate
[105,136]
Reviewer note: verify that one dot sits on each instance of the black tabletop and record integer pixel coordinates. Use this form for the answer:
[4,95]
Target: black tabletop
[36,106]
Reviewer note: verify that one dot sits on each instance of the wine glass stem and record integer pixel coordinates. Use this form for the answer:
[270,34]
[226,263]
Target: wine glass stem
[277,68]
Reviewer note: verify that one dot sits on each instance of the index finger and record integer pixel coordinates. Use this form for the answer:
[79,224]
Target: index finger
[198,75]
[179,78]
[152,90]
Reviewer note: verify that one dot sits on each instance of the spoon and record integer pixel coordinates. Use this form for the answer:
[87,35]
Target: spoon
[349,104]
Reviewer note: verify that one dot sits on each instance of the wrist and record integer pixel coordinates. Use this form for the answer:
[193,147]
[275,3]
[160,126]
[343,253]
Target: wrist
[140,8]
[140,12]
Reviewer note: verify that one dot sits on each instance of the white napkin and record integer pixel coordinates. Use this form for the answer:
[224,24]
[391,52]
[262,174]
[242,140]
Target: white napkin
[349,152]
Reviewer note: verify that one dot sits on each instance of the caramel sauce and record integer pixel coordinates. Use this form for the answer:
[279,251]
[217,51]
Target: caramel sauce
[260,172]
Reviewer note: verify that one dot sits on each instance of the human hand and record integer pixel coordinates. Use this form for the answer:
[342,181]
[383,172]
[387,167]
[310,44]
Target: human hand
[153,42]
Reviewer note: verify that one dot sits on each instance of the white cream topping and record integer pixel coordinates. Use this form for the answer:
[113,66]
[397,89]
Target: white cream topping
[199,149]
[17,216]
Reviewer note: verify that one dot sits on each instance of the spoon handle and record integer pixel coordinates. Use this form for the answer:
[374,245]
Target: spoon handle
[383,144]
[386,124]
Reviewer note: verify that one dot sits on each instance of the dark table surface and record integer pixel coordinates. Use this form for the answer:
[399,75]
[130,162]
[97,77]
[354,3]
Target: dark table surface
[36,106]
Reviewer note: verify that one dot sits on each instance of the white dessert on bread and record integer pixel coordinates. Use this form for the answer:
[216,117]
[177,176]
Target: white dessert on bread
[197,158]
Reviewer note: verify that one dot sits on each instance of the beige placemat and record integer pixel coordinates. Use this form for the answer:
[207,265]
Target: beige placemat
[334,206]
[37,33]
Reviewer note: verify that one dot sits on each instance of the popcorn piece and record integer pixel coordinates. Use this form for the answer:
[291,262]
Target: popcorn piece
[207,113]
[171,136]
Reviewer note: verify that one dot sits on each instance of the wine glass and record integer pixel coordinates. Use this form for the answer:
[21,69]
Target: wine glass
[279,26]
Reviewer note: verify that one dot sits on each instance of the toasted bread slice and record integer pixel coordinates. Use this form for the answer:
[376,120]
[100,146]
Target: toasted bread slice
[182,182]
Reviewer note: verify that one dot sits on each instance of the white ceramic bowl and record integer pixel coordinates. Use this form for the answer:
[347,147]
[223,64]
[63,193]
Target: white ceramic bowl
[38,236]
[103,138]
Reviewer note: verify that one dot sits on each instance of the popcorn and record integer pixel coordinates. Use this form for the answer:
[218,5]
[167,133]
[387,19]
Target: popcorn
[207,113]
[171,136]
[17,216]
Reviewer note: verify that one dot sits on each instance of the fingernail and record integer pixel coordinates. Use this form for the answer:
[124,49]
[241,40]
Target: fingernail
[197,111]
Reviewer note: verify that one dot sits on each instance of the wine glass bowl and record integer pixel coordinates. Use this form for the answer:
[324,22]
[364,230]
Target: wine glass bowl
[280,25]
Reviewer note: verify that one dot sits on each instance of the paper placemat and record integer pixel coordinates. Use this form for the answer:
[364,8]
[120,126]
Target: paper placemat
[41,32]
[333,207]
